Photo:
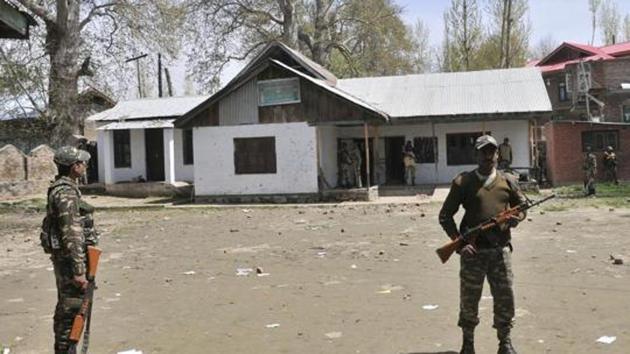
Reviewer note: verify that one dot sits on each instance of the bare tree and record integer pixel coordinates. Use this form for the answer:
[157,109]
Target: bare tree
[593,6]
[610,21]
[78,36]
[544,47]
[465,34]
[626,28]
[422,53]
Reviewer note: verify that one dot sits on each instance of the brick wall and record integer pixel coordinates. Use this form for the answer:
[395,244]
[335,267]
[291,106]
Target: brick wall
[565,156]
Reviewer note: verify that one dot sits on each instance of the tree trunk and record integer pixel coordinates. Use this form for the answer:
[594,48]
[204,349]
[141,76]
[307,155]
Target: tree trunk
[62,44]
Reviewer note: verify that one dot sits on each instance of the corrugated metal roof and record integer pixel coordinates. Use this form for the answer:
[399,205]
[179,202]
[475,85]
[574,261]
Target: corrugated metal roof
[139,124]
[150,108]
[463,93]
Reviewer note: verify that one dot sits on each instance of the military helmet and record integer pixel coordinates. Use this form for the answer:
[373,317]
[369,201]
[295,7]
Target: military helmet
[609,148]
[68,155]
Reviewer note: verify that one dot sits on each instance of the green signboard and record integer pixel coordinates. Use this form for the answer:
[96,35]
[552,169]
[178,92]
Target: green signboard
[279,91]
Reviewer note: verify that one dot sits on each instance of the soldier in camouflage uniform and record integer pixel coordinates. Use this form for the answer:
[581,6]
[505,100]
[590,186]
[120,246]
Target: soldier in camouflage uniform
[483,193]
[610,164]
[67,230]
[590,169]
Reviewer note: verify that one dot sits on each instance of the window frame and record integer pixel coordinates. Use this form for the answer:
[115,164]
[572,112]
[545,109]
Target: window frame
[188,157]
[121,139]
[592,141]
[431,141]
[467,160]
[265,164]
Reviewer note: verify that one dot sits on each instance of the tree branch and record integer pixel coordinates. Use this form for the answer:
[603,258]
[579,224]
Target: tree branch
[94,12]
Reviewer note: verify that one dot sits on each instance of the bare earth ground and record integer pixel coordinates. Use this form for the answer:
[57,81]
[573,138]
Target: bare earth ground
[342,279]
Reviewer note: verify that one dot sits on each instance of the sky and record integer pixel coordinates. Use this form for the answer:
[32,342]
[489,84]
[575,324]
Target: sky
[564,20]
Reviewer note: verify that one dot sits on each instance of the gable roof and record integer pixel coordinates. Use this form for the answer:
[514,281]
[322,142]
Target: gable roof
[149,108]
[590,53]
[276,50]
[445,94]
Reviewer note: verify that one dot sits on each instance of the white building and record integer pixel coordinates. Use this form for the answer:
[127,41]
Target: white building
[137,141]
[277,127]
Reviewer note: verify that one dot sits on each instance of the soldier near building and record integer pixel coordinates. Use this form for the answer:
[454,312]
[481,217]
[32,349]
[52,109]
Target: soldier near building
[409,161]
[483,193]
[357,159]
[610,164]
[345,164]
[67,230]
[505,154]
[590,169]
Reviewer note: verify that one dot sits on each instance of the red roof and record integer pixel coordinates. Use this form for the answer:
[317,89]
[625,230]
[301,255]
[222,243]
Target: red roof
[617,49]
[597,53]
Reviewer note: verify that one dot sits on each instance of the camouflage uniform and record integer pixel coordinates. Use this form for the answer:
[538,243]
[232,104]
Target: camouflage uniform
[590,169]
[610,164]
[67,240]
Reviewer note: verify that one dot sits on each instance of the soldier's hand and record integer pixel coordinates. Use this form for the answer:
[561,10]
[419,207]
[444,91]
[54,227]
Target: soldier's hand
[513,221]
[468,251]
[80,281]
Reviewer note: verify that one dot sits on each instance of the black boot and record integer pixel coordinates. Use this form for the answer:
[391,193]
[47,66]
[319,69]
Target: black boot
[468,342]
[505,342]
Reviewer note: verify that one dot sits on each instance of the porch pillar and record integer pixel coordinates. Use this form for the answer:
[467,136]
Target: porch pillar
[105,156]
[169,155]
[367,155]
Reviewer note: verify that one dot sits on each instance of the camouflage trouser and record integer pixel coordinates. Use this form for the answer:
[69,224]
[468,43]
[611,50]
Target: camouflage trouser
[69,298]
[496,263]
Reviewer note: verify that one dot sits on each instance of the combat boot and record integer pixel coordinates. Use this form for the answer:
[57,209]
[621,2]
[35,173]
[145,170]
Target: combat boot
[505,342]
[468,342]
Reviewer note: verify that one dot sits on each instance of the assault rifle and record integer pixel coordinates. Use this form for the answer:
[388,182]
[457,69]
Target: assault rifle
[82,319]
[470,235]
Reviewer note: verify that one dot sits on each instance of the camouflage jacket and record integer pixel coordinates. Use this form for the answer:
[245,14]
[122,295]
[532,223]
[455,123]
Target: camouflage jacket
[590,162]
[64,200]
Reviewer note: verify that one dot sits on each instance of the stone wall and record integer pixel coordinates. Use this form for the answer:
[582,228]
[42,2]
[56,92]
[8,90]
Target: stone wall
[22,174]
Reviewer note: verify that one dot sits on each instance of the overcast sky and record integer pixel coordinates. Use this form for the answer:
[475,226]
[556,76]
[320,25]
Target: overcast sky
[564,20]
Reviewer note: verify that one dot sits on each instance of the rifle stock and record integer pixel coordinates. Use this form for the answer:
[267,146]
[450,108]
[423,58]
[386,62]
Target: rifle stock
[447,250]
[93,255]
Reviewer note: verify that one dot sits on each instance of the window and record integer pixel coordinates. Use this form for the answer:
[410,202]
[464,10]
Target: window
[122,149]
[278,91]
[187,144]
[599,140]
[425,149]
[626,113]
[562,92]
[254,155]
[460,148]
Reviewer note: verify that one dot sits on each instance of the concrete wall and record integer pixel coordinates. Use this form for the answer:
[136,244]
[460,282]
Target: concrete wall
[564,151]
[296,160]
[182,172]
[516,130]
[138,159]
[22,174]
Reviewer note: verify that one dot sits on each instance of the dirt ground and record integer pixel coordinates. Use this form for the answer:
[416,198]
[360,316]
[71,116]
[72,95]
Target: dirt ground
[337,279]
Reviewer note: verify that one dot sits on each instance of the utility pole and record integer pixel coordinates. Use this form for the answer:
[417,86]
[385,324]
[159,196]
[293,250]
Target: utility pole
[508,28]
[159,75]
[137,60]
[168,82]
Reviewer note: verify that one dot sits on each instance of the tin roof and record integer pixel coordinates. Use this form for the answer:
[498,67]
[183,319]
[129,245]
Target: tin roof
[149,108]
[515,90]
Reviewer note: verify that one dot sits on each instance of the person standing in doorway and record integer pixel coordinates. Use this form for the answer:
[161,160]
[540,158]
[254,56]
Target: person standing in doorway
[357,159]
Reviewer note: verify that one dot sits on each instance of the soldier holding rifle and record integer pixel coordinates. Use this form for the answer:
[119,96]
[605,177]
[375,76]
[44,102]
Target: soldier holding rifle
[484,193]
